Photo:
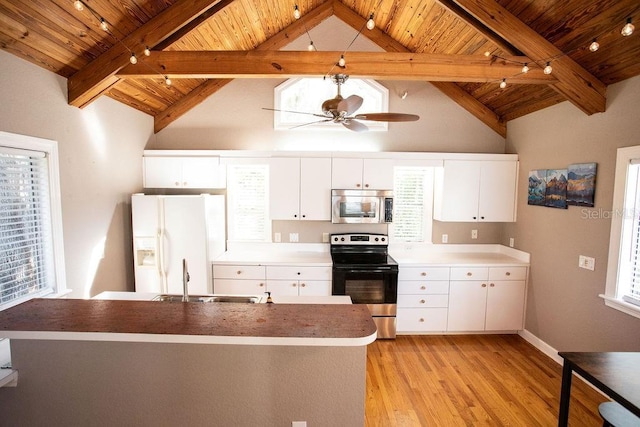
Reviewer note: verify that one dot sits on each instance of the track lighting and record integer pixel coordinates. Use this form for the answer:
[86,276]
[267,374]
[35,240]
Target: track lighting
[628,28]
[311,47]
[342,62]
[147,51]
[371,24]
[167,80]
[103,25]
[525,68]
[78,5]
[296,12]
[133,58]
[503,83]
[548,69]
[594,46]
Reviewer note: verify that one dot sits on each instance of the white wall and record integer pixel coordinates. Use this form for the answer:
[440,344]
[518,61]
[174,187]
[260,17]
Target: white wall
[233,117]
[563,307]
[100,149]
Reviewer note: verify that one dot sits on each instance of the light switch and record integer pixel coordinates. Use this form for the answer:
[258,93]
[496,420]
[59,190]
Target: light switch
[586,262]
[474,234]
[293,237]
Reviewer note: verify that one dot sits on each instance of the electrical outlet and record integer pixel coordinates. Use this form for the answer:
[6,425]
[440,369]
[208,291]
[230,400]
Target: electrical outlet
[293,237]
[586,262]
[325,237]
[298,424]
[445,238]
[512,242]
[474,234]
[277,237]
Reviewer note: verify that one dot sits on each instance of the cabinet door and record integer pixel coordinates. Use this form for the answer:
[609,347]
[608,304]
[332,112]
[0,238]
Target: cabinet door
[467,305]
[283,287]
[284,188]
[315,189]
[505,305]
[315,288]
[496,202]
[457,191]
[202,172]
[346,173]
[162,172]
[377,174]
[238,287]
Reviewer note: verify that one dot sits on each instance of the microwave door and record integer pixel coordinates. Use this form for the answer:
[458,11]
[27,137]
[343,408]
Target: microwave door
[356,210]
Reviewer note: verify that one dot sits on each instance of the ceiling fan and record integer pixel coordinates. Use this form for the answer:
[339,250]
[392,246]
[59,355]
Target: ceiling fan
[340,110]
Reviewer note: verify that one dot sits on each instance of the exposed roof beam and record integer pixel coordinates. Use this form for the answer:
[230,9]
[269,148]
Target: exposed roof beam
[100,74]
[574,82]
[376,65]
[209,87]
[455,92]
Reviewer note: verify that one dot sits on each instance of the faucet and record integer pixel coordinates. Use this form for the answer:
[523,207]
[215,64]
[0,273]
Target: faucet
[185,281]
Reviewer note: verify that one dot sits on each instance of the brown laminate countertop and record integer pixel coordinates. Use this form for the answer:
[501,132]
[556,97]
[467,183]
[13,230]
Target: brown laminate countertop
[206,323]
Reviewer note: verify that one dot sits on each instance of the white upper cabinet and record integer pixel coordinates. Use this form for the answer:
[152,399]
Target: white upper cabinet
[359,174]
[476,190]
[183,172]
[300,189]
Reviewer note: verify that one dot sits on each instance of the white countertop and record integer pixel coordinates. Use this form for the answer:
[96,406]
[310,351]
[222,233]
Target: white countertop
[277,254]
[459,255]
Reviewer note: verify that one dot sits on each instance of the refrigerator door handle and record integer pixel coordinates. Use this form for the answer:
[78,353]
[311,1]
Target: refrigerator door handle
[161,261]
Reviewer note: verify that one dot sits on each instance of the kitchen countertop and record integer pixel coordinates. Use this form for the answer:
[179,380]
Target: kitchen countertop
[240,257]
[195,323]
[460,255]
[277,299]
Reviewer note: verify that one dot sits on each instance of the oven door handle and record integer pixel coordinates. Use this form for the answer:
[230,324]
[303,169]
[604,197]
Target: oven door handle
[376,270]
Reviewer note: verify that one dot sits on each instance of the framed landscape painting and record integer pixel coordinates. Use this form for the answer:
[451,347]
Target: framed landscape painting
[581,184]
[556,191]
[537,187]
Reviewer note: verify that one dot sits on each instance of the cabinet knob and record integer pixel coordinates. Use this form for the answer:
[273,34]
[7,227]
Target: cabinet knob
[421,319]
[423,287]
[484,285]
[366,186]
[298,273]
[424,273]
[508,273]
[492,285]
[469,273]
[295,215]
[303,285]
[304,216]
[481,217]
[261,285]
[239,272]
[358,185]
[294,284]
[422,301]
[177,184]
[475,217]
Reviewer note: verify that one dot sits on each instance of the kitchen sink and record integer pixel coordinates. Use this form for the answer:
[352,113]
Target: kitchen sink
[242,299]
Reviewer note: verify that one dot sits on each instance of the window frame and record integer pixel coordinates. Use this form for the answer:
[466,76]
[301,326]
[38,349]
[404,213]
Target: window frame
[427,203]
[50,149]
[617,245]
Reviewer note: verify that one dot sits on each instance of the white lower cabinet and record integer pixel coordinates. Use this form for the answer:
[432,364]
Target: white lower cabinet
[239,279]
[423,298]
[482,303]
[299,280]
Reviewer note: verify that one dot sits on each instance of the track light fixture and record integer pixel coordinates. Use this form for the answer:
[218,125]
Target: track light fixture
[342,62]
[296,12]
[147,51]
[133,58]
[628,28]
[311,47]
[167,80]
[371,24]
[525,68]
[503,83]
[548,69]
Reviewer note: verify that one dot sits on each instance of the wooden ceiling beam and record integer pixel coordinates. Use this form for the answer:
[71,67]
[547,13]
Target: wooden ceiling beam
[100,74]
[375,65]
[574,82]
[209,87]
[452,90]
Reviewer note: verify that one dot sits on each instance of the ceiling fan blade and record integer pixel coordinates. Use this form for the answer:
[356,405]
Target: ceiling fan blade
[350,104]
[355,126]
[387,117]
[295,112]
[311,123]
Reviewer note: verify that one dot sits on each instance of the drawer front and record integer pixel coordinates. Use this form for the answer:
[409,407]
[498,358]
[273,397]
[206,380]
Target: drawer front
[508,273]
[298,273]
[427,287]
[469,273]
[239,287]
[421,320]
[242,272]
[418,301]
[423,273]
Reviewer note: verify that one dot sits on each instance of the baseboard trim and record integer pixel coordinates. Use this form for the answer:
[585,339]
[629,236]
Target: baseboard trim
[541,345]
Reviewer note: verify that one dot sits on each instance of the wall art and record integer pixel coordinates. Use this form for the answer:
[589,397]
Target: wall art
[556,192]
[581,184]
[537,187]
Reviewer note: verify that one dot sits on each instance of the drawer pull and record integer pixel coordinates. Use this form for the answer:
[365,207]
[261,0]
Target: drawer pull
[424,273]
[484,285]
[238,272]
[422,301]
[421,319]
[508,273]
[423,287]
[469,273]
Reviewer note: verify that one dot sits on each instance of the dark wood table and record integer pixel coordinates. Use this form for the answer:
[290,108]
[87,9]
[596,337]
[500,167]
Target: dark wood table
[615,374]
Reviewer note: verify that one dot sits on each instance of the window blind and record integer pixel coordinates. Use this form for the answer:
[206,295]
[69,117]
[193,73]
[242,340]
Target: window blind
[632,294]
[26,252]
[411,205]
[247,198]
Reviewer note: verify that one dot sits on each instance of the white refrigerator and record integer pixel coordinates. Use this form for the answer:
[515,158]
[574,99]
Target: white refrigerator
[168,229]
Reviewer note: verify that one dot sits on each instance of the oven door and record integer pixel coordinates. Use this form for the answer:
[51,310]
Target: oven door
[367,285]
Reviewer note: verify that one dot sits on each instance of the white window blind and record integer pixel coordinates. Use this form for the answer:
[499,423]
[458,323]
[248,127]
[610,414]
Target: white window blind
[248,202]
[26,242]
[412,204]
[632,211]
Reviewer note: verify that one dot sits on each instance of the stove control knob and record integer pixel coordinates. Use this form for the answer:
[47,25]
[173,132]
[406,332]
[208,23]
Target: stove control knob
[335,239]
[342,239]
[383,239]
[376,239]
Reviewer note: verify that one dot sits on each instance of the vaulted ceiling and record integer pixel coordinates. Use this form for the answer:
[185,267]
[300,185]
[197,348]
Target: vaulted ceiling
[466,48]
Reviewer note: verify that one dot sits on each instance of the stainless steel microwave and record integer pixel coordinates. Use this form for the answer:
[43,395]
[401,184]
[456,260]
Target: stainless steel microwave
[361,206]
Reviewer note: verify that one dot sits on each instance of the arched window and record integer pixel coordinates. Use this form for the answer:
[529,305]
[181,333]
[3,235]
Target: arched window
[307,94]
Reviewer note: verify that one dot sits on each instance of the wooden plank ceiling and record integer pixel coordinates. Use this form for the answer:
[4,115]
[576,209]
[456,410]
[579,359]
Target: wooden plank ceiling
[464,47]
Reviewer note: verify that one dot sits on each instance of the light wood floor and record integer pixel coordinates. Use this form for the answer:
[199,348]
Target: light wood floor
[471,380]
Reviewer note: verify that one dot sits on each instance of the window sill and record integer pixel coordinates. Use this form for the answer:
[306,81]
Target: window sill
[8,378]
[620,305]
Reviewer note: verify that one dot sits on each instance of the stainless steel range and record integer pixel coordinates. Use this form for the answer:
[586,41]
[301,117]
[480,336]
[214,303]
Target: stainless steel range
[363,269]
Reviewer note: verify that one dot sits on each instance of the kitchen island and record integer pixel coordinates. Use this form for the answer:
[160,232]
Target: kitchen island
[104,362]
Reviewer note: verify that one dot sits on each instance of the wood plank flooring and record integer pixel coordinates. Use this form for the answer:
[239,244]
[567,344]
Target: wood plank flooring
[469,380]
